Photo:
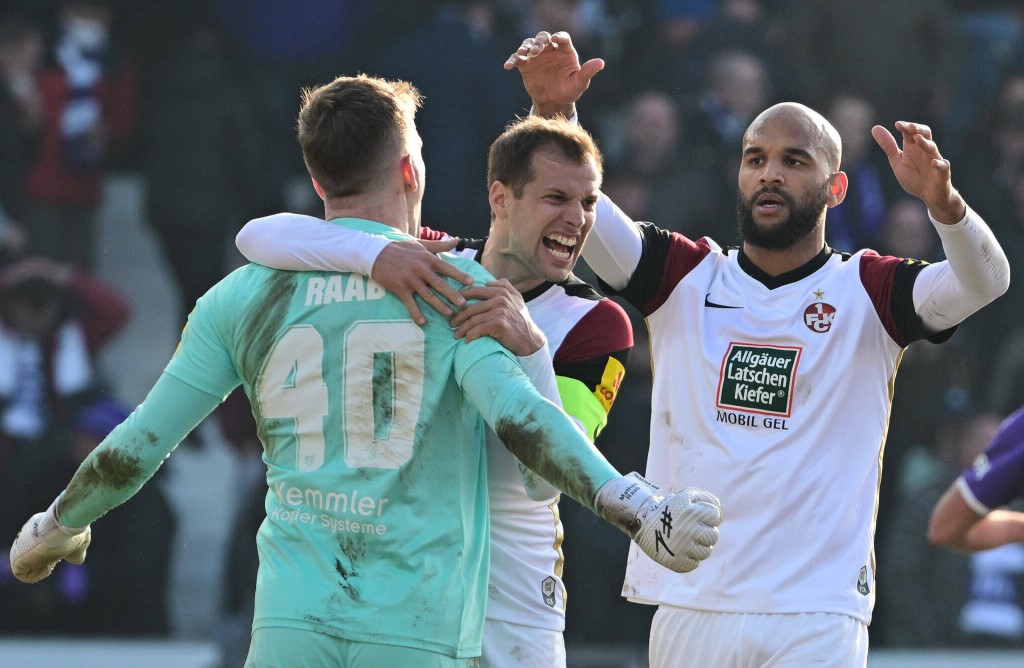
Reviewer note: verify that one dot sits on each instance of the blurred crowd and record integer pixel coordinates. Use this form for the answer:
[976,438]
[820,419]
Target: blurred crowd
[199,98]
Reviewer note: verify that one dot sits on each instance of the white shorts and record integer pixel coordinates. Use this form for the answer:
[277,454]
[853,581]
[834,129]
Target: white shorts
[508,644]
[681,637]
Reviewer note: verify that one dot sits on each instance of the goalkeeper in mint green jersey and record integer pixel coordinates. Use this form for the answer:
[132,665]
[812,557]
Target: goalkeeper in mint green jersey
[374,550]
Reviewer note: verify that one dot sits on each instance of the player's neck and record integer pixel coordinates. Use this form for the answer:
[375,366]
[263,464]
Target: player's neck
[392,214]
[505,265]
[777,262]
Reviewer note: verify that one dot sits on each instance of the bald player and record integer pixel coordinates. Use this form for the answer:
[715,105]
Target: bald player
[773,371]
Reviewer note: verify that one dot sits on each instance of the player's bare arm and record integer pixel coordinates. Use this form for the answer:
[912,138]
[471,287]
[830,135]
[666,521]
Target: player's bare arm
[552,73]
[501,314]
[921,170]
[956,525]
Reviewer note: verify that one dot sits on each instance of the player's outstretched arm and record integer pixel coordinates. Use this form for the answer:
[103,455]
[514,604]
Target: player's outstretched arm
[956,525]
[552,74]
[109,476]
[676,530]
[407,269]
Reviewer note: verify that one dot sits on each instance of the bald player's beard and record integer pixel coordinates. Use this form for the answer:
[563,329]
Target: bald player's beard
[802,219]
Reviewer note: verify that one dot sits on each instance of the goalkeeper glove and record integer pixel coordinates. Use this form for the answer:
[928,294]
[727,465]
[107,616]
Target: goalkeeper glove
[43,542]
[676,530]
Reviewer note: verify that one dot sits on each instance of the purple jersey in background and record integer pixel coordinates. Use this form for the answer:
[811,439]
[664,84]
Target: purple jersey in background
[996,477]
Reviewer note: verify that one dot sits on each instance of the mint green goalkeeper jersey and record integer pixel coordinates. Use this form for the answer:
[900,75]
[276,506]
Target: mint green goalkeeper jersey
[377,516]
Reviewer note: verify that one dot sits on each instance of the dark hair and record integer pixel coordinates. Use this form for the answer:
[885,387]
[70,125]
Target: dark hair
[510,159]
[351,130]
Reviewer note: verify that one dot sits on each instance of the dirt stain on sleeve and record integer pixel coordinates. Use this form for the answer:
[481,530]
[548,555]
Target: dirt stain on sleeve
[530,443]
[113,469]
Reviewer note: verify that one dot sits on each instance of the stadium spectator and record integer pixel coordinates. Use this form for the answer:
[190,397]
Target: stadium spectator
[472,105]
[286,47]
[201,151]
[753,400]
[905,66]
[991,33]
[653,174]
[88,107]
[860,221]
[993,176]
[22,46]
[53,323]
[922,587]
[714,118]
[976,515]
[732,25]
[123,589]
[331,569]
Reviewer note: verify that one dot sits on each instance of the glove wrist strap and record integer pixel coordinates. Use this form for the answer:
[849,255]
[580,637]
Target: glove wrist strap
[51,522]
[623,501]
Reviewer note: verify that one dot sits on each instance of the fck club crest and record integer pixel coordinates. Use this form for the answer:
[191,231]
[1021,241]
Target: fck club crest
[819,316]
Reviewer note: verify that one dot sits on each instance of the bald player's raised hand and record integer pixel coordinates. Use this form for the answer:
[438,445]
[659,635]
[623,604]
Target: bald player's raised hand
[921,170]
[552,74]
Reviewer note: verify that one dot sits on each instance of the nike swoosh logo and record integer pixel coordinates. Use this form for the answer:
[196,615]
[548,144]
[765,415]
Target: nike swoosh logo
[710,304]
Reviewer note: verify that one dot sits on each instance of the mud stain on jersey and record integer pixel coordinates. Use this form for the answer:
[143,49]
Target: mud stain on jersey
[118,469]
[353,550]
[262,327]
[267,427]
[426,611]
[530,443]
[113,469]
[345,584]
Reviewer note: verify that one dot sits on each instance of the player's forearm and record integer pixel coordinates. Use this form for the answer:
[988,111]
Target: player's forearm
[536,431]
[614,246]
[975,273]
[133,451]
[539,369]
[541,372]
[1000,527]
[302,243]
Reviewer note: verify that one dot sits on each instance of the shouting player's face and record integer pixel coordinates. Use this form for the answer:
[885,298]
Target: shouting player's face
[785,181]
[538,236]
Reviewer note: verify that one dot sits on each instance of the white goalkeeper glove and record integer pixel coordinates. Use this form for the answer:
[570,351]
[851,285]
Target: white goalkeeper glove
[43,542]
[676,530]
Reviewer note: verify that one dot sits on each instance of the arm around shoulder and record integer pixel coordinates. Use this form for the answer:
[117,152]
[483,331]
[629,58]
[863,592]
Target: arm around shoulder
[298,242]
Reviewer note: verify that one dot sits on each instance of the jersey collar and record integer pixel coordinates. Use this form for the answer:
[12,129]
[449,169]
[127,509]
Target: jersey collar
[772,282]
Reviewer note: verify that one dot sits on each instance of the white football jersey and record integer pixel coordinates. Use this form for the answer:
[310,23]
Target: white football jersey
[589,337]
[774,394]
